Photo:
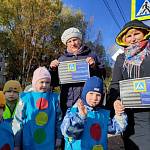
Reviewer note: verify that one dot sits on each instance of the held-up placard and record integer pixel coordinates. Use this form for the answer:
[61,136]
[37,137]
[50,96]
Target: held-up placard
[135,93]
[73,71]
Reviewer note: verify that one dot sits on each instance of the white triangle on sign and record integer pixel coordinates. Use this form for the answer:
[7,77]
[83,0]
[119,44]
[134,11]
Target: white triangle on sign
[139,86]
[145,8]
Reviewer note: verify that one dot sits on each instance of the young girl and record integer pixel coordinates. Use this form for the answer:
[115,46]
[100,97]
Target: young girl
[6,133]
[87,123]
[38,116]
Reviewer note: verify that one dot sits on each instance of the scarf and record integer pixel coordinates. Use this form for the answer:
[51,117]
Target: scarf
[134,56]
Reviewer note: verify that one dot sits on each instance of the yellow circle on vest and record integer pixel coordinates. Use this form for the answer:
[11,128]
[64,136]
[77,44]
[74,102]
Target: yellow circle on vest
[98,147]
[41,118]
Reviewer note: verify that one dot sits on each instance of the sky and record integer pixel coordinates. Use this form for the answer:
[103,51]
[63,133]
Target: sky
[108,21]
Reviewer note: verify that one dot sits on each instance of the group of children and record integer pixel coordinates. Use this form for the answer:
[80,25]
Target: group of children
[33,119]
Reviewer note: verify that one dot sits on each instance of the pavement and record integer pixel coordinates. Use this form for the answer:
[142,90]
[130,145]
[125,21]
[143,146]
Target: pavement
[115,142]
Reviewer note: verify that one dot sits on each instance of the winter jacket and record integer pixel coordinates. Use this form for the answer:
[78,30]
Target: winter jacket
[37,121]
[90,131]
[135,116]
[71,92]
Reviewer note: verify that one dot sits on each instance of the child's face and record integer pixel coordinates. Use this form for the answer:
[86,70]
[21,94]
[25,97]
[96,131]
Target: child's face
[42,85]
[93,98]
[11,95]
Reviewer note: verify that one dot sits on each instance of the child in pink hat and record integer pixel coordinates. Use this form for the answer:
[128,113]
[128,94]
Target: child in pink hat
[38,116]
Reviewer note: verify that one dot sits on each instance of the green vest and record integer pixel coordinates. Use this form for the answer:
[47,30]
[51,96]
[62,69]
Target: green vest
[7,113]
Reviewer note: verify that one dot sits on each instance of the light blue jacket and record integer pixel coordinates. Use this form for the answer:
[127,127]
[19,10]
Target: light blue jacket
[87,133]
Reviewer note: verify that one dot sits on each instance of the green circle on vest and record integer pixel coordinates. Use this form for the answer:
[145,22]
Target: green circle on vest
[39,135]
[41,118]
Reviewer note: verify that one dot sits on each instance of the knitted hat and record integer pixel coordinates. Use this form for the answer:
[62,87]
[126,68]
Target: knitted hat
[2,99]
[40,73]
[94,84]
[70,33]
[136,24]
[12,85]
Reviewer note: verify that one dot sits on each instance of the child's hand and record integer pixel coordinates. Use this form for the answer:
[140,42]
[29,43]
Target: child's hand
[81,107]
[119,108]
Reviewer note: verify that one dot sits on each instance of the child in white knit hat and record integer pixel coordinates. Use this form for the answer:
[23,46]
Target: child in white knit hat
[38,115]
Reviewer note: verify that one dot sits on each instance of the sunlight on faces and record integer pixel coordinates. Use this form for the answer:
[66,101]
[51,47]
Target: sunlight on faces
[93,98]
[11,95]
[43,85]
[73,45]
[133,36]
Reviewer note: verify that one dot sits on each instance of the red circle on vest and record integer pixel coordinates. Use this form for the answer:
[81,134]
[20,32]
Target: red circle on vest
[95,131]
[42,103]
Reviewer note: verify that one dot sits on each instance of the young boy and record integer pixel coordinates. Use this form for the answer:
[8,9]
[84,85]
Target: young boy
[38,116]
[87,123]
[6,134]
[11,90]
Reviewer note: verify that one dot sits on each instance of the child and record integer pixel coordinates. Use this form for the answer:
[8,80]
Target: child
[6,134]
[38,116]
[86,124]
[11,90]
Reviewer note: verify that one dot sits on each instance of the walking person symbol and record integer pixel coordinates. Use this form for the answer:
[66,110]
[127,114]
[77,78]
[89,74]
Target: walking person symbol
[146,8]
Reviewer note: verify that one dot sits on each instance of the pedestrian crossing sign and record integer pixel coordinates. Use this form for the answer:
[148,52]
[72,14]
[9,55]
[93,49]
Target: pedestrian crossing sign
[139,86]
[71,67]
[140,9]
